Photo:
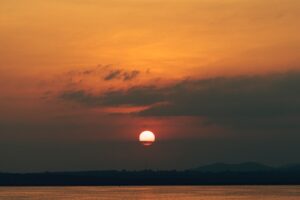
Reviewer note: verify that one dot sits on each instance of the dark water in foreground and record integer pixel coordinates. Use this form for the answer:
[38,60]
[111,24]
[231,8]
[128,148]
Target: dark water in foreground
[153,193]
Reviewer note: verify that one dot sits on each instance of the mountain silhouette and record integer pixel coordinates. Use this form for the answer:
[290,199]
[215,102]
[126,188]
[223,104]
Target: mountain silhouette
[290,167]
[241,167]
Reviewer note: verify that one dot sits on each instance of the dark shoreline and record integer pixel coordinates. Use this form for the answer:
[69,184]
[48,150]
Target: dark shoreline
[148,177]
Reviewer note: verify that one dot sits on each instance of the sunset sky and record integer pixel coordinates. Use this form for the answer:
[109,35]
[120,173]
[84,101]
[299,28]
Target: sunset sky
[215,80]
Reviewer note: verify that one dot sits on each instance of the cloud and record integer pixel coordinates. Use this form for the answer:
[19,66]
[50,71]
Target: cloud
[82,97]
[114,74]
[263,101]
[122,74]
[127,76]
[135,96]
[104,72]
[256,96]
[252,102]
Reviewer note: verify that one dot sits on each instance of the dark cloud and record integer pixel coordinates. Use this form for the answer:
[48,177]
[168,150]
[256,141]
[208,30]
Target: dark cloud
[82,97]
[127,76]
[136,96]
[104,72]
[121,74]
[242,101]
[114,74]
[270,96]
[255,102]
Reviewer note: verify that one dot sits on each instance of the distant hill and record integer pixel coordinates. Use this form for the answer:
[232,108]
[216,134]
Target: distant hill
[291,167]
[241,167]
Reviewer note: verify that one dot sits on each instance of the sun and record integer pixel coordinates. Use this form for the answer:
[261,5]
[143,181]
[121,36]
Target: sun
[147,138]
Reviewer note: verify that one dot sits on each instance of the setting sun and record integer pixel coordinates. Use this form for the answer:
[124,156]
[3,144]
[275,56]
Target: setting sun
[147,138]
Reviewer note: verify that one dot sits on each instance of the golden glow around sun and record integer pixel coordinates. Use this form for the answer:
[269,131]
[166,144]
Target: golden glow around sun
[147,138]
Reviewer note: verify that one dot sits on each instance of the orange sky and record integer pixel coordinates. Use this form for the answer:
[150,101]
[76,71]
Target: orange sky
[172,39]
[203,36]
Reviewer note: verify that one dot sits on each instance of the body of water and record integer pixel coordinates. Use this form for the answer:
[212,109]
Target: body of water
[152,193]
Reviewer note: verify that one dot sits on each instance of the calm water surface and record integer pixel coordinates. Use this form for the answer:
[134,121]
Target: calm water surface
[153,193]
